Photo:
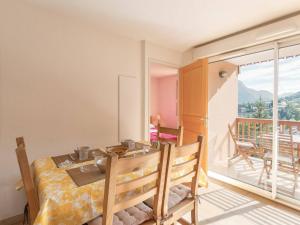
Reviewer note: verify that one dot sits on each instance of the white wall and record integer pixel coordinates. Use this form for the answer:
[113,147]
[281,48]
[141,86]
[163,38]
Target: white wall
[59,87]
[222,109]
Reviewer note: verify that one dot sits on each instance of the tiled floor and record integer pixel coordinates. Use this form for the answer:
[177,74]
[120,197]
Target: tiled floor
[242,172]
[223,204]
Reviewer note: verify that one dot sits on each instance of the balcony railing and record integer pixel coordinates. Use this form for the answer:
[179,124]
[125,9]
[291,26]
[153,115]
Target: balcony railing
[259,132]
[253,128]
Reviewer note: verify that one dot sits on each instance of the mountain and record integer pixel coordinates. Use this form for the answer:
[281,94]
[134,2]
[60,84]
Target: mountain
[286,94]
[250,95]
[295,97]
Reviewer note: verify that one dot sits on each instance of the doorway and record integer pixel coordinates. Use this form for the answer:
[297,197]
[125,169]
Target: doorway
[163,96]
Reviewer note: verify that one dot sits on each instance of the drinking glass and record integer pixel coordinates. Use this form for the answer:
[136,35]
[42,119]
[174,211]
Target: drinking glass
[83,153]
[131,145]
[146,149]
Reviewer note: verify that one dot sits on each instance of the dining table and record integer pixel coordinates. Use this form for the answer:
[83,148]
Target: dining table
[63,201]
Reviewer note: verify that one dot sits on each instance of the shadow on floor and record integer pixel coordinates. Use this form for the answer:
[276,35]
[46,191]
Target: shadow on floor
[232,207]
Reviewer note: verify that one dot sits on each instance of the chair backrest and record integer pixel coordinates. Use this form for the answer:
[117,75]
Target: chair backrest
[170,131]
[192,155]
[233,136]
[155,119]
[285,145]
[266,142]
[149,185]
[20,141]
[30,189]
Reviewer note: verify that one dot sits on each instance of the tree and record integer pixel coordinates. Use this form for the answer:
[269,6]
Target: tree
[297,115]
[260,109]
[248,107]
[290,111]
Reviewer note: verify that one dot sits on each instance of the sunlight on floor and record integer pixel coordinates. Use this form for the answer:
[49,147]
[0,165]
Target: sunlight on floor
[242,172]
[223,204]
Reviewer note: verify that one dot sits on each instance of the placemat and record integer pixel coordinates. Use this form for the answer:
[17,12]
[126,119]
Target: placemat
[139,149]
[91,174]
[74,157]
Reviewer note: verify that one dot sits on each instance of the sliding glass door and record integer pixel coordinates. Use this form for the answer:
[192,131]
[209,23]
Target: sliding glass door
[288,166]
[259,143]
[241,130]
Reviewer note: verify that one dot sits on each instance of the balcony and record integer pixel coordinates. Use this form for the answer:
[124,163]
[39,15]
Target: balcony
[253,170]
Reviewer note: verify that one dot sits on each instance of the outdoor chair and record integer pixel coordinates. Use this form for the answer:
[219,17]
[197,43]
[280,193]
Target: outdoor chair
[244,149]
[288,160]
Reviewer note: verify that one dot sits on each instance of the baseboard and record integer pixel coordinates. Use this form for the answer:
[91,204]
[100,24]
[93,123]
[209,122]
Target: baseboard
[14,220]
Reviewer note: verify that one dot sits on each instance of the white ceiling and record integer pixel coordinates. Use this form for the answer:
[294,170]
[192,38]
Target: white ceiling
[159,70]
[176,24]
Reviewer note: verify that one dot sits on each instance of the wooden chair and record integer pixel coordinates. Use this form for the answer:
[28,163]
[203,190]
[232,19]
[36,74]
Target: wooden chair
[28,182]
[288,161]
[113,208]
[174,205]
[170,131]
[244,148]
[20,141]
[155,119]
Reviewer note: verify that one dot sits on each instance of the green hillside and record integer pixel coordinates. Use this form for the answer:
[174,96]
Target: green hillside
[248,95]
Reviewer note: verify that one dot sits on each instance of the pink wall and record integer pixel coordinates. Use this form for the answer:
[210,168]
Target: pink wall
[164,99]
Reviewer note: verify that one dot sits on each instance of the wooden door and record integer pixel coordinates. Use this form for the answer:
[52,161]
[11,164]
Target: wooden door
[193,103]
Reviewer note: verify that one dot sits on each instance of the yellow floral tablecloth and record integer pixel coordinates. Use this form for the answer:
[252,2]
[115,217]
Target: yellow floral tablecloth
[62,202]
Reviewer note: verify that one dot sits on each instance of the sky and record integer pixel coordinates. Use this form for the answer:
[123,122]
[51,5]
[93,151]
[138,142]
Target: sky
[259,76]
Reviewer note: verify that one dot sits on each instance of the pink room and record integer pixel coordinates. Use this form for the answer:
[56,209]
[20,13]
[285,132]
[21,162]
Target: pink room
[163,98]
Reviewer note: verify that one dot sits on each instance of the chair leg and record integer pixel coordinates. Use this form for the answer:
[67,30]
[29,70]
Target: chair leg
[183,222]
[248,161]
[268,168]
[194,214]
[261,174]
[296,181]
[232,158]
[158,222]
[240,159]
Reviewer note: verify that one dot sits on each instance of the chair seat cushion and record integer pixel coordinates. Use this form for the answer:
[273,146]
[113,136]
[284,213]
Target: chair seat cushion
[245,144]
[177,194]
[135,215]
